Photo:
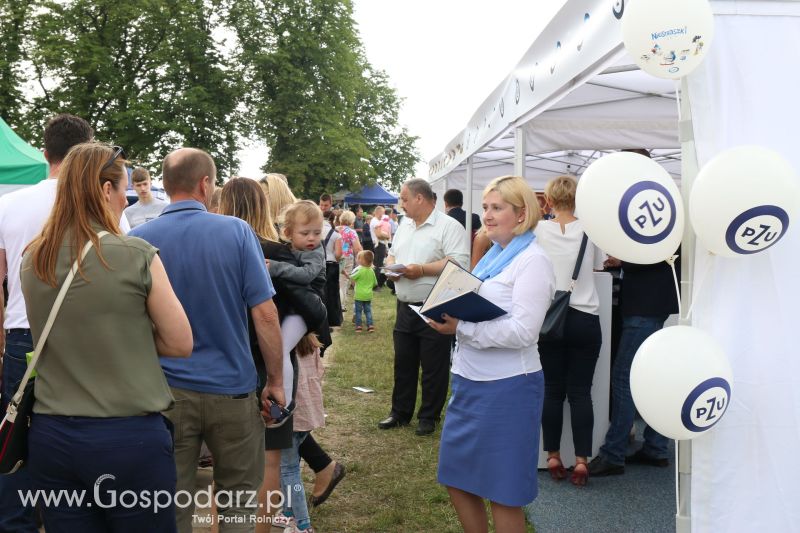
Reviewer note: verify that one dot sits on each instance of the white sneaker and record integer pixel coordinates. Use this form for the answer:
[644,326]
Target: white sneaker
[295,529]
[283,521]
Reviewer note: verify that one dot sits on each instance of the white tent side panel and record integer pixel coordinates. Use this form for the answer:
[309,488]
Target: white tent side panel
[745,471]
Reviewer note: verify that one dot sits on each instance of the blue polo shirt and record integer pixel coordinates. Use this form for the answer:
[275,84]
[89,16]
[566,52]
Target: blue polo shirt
[217,269]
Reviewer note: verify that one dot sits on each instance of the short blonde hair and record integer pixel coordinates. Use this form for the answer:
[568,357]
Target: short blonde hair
[366,256]
[300,212]
[347,217]
[515,191]
[279,195]
[561,192]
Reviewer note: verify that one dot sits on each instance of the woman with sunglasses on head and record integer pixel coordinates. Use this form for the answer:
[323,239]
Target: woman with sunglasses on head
[97,425]
[489,447]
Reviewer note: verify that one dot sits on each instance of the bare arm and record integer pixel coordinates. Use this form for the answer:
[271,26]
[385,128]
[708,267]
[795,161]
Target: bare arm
[337,249]
[270,343]
[434,268]
[357,248]
[480,245]
[171,329]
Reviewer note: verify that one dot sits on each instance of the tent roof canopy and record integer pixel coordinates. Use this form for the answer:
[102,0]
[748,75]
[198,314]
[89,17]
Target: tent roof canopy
[371,195]
[20,163]
[564,106]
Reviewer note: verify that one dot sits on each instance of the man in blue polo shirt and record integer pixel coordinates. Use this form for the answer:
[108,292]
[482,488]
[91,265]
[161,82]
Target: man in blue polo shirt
[217,270]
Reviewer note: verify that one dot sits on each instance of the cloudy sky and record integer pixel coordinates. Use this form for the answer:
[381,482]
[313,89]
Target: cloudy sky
[443,57]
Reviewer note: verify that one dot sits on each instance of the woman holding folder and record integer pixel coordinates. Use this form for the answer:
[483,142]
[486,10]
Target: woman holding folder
[489,447]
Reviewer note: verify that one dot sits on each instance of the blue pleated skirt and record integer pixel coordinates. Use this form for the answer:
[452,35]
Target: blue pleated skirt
[490,438]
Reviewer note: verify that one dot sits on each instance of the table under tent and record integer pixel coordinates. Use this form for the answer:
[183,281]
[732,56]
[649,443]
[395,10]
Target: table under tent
[575,96]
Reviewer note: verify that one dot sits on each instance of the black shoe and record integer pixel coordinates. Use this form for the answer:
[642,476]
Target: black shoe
[641,458]
[599,467]
[392,422]
[338,474]
[425,427]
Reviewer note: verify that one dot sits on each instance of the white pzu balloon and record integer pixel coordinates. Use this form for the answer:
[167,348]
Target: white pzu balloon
[743,200]
[668,38]
[681,382]
[631,208]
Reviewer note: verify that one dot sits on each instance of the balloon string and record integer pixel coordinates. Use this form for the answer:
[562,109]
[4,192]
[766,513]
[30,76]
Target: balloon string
[671,262]
[696,291]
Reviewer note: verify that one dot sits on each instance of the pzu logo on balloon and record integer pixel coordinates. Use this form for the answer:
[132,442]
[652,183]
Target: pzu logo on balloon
[706,404]
[647,212]
[757,229]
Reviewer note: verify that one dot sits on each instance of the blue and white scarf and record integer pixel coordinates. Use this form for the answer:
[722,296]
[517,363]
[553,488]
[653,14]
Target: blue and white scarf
[497,258]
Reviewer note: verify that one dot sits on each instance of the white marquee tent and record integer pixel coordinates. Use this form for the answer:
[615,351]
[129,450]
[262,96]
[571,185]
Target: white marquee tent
[576,95]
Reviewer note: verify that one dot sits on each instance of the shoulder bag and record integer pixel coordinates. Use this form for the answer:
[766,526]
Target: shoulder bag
[553,325]
[16,423]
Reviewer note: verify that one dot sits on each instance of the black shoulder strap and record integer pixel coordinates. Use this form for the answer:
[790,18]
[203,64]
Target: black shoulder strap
[327,238]
[580,258]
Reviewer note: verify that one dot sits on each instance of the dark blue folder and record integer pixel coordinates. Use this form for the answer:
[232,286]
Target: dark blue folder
[469,306]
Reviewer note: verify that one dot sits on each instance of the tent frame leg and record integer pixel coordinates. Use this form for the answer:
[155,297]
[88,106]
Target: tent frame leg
[689,170]
[519,152]
[468,205]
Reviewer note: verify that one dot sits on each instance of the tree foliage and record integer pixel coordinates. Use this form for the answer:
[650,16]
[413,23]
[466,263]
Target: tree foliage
[13,32]
[329,119]
[152,75]
[146,74]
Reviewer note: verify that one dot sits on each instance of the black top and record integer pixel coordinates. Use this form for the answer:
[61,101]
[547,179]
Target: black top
[461,215]
[648,290]
[276,251]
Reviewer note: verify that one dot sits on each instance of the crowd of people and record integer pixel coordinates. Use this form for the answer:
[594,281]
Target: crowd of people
[197,331]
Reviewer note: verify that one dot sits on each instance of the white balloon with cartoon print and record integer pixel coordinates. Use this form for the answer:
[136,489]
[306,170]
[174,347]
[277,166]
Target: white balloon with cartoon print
[668,38]
[630,208]
[681,382]
[743,200]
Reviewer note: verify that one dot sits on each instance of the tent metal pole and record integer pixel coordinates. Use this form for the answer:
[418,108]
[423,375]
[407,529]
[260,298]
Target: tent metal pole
[468,202]
[519,152]
[689,169]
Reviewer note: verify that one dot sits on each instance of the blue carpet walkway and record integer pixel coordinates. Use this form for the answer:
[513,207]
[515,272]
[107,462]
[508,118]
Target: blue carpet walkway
[640,500]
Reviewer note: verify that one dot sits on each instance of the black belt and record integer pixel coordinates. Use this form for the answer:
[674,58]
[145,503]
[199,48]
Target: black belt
[18,330]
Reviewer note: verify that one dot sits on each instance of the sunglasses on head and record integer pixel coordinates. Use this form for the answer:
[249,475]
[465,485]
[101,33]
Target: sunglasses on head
[118,151]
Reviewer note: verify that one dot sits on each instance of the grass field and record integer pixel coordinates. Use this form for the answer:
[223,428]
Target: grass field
[391,474]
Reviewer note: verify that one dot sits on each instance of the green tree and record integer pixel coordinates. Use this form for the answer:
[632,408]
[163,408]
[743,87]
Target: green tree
[393,152]
[317,102]
[153,75]
[147,74]
[13,32]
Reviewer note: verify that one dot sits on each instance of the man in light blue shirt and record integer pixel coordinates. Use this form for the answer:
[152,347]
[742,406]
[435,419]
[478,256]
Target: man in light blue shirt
[217,269]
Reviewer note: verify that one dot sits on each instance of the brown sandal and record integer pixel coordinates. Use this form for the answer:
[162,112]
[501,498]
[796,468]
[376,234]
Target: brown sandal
[556,468]
[580,474]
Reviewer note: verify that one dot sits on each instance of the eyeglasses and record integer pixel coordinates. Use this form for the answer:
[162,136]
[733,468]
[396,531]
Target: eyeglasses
[118,151]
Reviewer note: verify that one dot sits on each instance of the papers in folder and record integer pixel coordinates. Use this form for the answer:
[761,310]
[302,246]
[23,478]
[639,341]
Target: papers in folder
[456,294]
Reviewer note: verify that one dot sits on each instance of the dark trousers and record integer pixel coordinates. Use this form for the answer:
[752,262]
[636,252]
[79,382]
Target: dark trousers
[332,301]
[417,344]
[106,457]
[14,516]
[568,367]
[313,454]
[635,330]
[380,256]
